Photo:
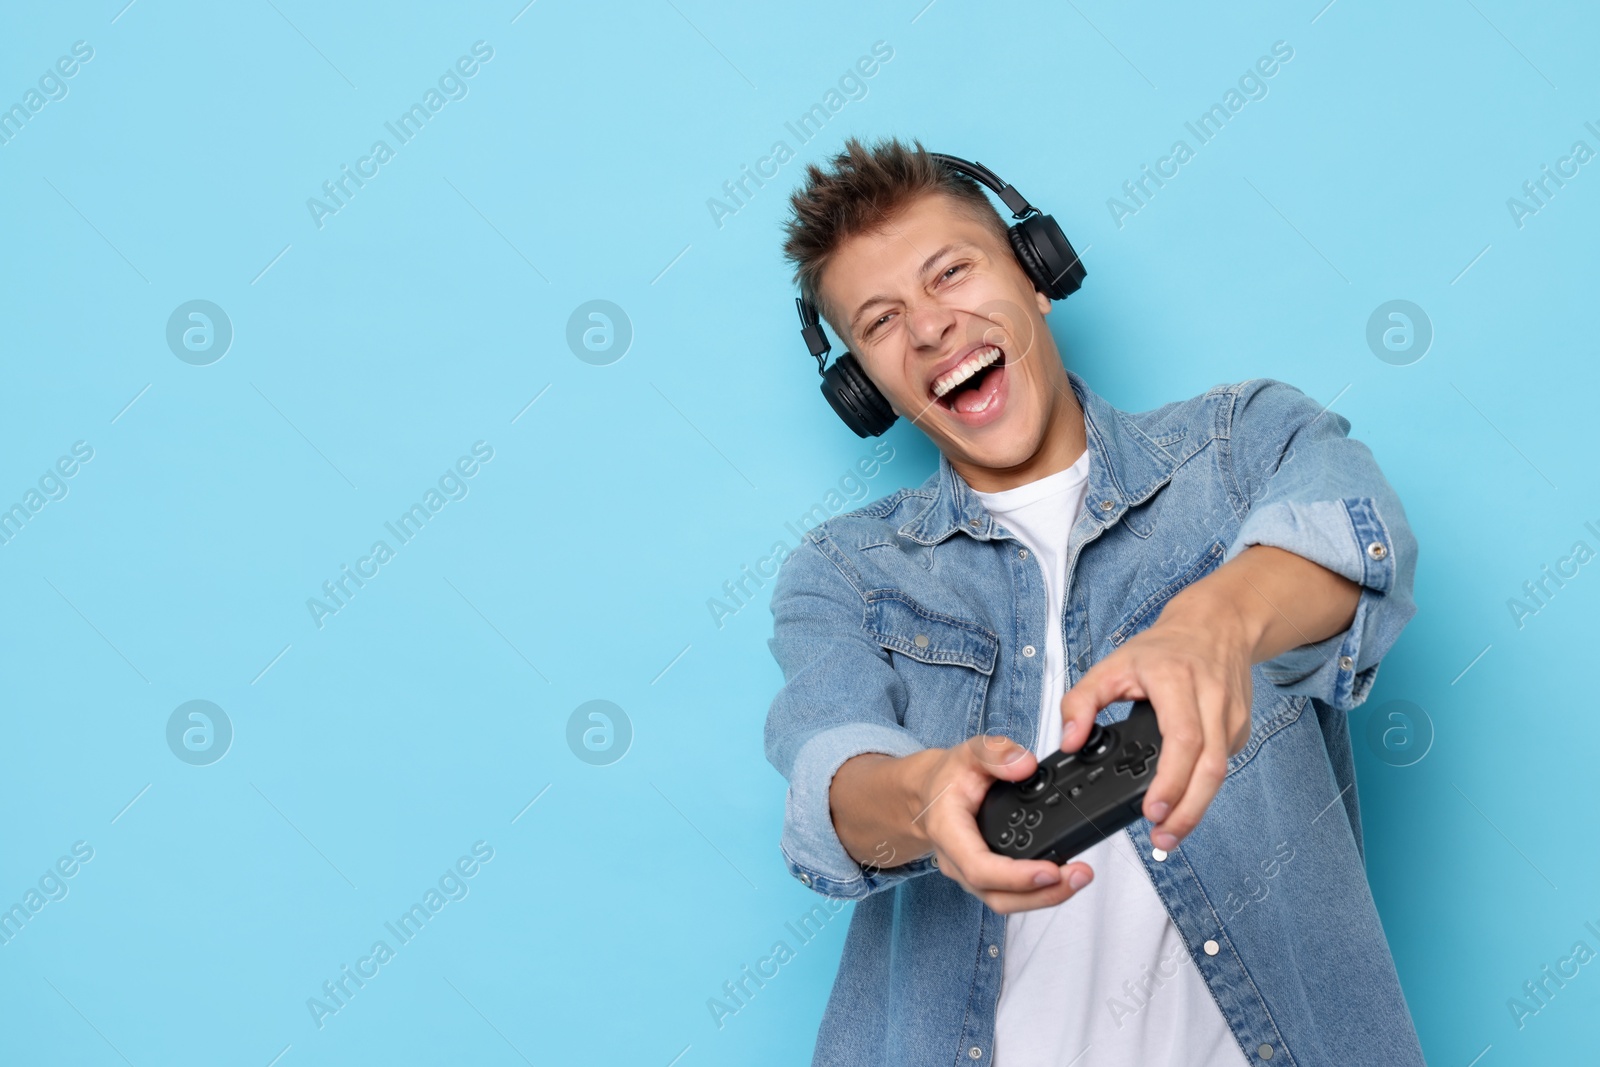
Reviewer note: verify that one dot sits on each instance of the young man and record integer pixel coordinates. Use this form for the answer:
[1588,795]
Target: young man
[1234,558]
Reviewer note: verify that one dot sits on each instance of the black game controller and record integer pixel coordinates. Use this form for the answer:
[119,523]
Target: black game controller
[1075,799]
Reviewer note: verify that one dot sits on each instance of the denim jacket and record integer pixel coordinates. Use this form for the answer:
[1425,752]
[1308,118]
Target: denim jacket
[899,626]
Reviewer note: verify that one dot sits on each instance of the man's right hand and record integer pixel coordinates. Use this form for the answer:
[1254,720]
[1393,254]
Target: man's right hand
[928,802]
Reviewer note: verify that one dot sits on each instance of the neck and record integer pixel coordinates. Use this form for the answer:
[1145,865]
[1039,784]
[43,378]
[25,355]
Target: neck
[1062,445]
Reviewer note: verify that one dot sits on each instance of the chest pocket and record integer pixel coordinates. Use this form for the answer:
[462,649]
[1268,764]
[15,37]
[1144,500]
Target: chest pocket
[1147,612]
[945,662]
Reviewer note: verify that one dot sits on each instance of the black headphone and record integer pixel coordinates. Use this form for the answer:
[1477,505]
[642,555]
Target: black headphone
[1044,252]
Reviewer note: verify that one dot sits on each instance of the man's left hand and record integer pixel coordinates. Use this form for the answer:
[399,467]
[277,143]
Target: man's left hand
[1193,665]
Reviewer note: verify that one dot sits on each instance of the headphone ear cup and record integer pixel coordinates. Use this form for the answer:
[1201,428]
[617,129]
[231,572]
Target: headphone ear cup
[855,399]
[1028,258]
[1047,256]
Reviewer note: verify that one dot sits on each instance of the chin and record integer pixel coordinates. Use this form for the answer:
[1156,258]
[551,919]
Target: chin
[1004,457]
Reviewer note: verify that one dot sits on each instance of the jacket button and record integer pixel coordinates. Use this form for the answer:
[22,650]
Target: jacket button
[1028,650]
[1158,854]
[1107,505]
[805,879]
[975,1053]
[1022,553]
[994,950]
[921,640]
[1264,1051]
[975,523]
[1212,948]
[1345,663]
[1376,551]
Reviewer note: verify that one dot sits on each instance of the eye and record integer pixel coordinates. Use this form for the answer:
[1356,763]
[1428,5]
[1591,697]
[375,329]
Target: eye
[952,269]
[874,327]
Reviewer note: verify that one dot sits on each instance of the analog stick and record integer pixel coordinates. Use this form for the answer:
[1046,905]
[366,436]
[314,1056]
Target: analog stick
[1101,740]
[1036,783]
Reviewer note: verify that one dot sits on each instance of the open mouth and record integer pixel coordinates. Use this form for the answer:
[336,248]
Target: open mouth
[975,386]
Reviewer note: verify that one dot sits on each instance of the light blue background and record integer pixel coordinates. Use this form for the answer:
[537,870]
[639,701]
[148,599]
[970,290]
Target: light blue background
[425,316]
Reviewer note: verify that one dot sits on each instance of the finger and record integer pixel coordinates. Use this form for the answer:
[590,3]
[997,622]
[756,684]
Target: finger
[999,756]
[1110,680]
[979,868]
[1182,738]
[1209,770]
[1006,903]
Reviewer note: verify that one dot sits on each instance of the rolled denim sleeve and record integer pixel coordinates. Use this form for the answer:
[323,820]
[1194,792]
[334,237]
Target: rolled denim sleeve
[840,698]
[1308,488]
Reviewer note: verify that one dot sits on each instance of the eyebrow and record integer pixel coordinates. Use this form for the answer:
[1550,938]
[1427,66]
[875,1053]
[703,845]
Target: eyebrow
[927,265]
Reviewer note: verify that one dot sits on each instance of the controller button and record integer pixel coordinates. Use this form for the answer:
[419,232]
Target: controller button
[1034,818]
[1015,817]
[1006,837]
[1097,772]
[1135,759]
[1024,839]
[1075,790]
[1034,784]
[1053,798]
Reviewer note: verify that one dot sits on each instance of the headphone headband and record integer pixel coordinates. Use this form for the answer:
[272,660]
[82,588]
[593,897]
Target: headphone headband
[1015,202]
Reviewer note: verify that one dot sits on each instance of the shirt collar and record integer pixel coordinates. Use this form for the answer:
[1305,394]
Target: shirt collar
[1125,468]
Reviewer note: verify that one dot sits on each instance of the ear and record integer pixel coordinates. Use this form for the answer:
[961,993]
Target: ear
[1042,302]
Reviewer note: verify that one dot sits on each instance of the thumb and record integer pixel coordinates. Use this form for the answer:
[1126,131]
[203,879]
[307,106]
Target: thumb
[1001,757]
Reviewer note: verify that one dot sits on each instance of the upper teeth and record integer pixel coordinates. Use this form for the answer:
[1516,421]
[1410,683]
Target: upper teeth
[965,369]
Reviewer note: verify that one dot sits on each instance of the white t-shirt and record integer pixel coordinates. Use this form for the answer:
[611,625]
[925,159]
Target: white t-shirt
[1102,979]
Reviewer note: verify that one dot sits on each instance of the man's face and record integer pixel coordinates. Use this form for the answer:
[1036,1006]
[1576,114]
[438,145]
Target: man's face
[922,303]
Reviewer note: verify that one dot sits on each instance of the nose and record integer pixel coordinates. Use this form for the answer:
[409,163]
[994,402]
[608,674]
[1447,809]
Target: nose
[929,322]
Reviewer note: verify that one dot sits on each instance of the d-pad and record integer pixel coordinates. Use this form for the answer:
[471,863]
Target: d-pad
[1134,758]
